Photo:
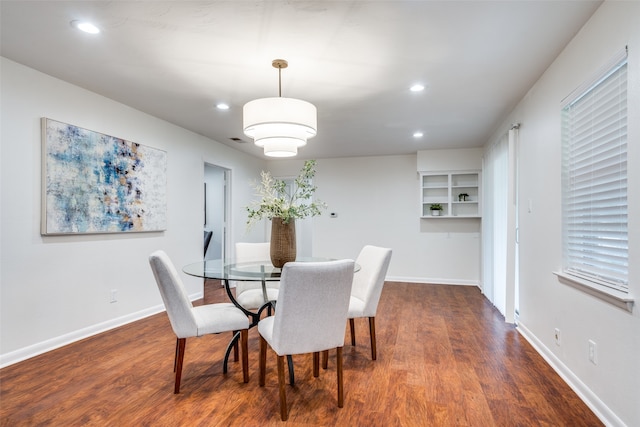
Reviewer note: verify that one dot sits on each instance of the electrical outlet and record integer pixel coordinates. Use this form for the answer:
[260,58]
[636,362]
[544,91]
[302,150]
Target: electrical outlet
[557,336]
[593,352]
[113,296]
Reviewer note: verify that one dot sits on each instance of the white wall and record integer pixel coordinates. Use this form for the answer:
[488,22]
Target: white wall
[56,289]
[377,202]
[460,159]
[612,387]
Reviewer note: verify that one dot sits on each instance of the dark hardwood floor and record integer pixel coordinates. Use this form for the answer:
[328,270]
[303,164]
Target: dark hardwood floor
[445,358]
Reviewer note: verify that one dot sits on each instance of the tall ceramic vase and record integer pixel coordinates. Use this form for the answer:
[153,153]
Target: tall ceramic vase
[283,242]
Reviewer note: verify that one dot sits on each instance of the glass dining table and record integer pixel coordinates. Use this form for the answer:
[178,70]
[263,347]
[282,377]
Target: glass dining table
[257,271]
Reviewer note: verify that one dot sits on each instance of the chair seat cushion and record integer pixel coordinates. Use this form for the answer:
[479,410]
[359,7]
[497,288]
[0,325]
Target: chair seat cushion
[216,318]
[252,299]
[356,308]
[265,328]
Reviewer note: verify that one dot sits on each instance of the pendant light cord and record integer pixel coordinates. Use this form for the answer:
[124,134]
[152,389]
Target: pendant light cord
[279,64]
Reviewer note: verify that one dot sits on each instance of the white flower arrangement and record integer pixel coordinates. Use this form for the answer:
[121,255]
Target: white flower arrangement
[276,202]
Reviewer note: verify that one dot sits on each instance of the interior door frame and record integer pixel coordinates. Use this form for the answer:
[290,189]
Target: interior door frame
[225,188]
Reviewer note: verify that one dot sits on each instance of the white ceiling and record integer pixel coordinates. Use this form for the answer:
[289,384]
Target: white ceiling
[354,60]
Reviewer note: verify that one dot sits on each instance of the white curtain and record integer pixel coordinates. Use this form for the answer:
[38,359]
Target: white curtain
[494,222]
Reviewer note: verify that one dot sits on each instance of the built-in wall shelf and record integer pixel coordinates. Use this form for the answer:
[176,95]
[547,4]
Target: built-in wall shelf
[448,189]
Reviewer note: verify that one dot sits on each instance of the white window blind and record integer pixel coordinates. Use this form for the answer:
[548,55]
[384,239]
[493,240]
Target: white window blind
[594,197]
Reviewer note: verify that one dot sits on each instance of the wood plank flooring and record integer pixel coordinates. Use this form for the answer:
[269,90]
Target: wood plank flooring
[445,358]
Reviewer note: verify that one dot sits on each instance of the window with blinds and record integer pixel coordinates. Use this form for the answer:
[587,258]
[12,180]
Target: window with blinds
[594,193]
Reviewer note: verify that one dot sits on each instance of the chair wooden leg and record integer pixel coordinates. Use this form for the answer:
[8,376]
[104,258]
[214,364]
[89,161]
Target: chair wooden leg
[340,379]
[316,364]
[175,358]
[352,329]
[181,344]
[263,360]
[283,396]
[372,332]
[325,359]
[244,339]
[235,348]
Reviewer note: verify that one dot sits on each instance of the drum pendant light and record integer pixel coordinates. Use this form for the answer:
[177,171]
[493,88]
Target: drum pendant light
[279,125]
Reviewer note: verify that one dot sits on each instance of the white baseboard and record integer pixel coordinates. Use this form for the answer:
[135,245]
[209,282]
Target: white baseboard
[432,281]
[71,337]
[602,411]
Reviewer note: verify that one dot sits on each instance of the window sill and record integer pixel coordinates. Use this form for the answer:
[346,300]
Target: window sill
[619,299]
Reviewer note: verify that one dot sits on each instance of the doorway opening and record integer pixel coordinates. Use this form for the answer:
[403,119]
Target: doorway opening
[216,211]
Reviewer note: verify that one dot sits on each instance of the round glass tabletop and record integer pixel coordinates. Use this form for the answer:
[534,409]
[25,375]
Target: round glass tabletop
[247,271]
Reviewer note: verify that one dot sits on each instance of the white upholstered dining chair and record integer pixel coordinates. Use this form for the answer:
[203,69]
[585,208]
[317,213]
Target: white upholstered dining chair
[311,314]
[189,321]
[249,294]
[366,289]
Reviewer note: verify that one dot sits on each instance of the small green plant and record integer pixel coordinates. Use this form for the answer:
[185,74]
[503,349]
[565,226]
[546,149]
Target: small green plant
[462,197]
[276,202]
[436,207]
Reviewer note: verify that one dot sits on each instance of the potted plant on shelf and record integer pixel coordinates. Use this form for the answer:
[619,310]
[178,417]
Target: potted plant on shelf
[462,197]
[435,209]
[283,207]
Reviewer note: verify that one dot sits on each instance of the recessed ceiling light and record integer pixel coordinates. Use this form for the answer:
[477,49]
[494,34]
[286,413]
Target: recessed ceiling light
[417,88]
[222,106]
[87,27]
[418,134]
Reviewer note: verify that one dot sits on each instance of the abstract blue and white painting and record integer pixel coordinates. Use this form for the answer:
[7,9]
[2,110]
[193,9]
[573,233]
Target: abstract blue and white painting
[96,183]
